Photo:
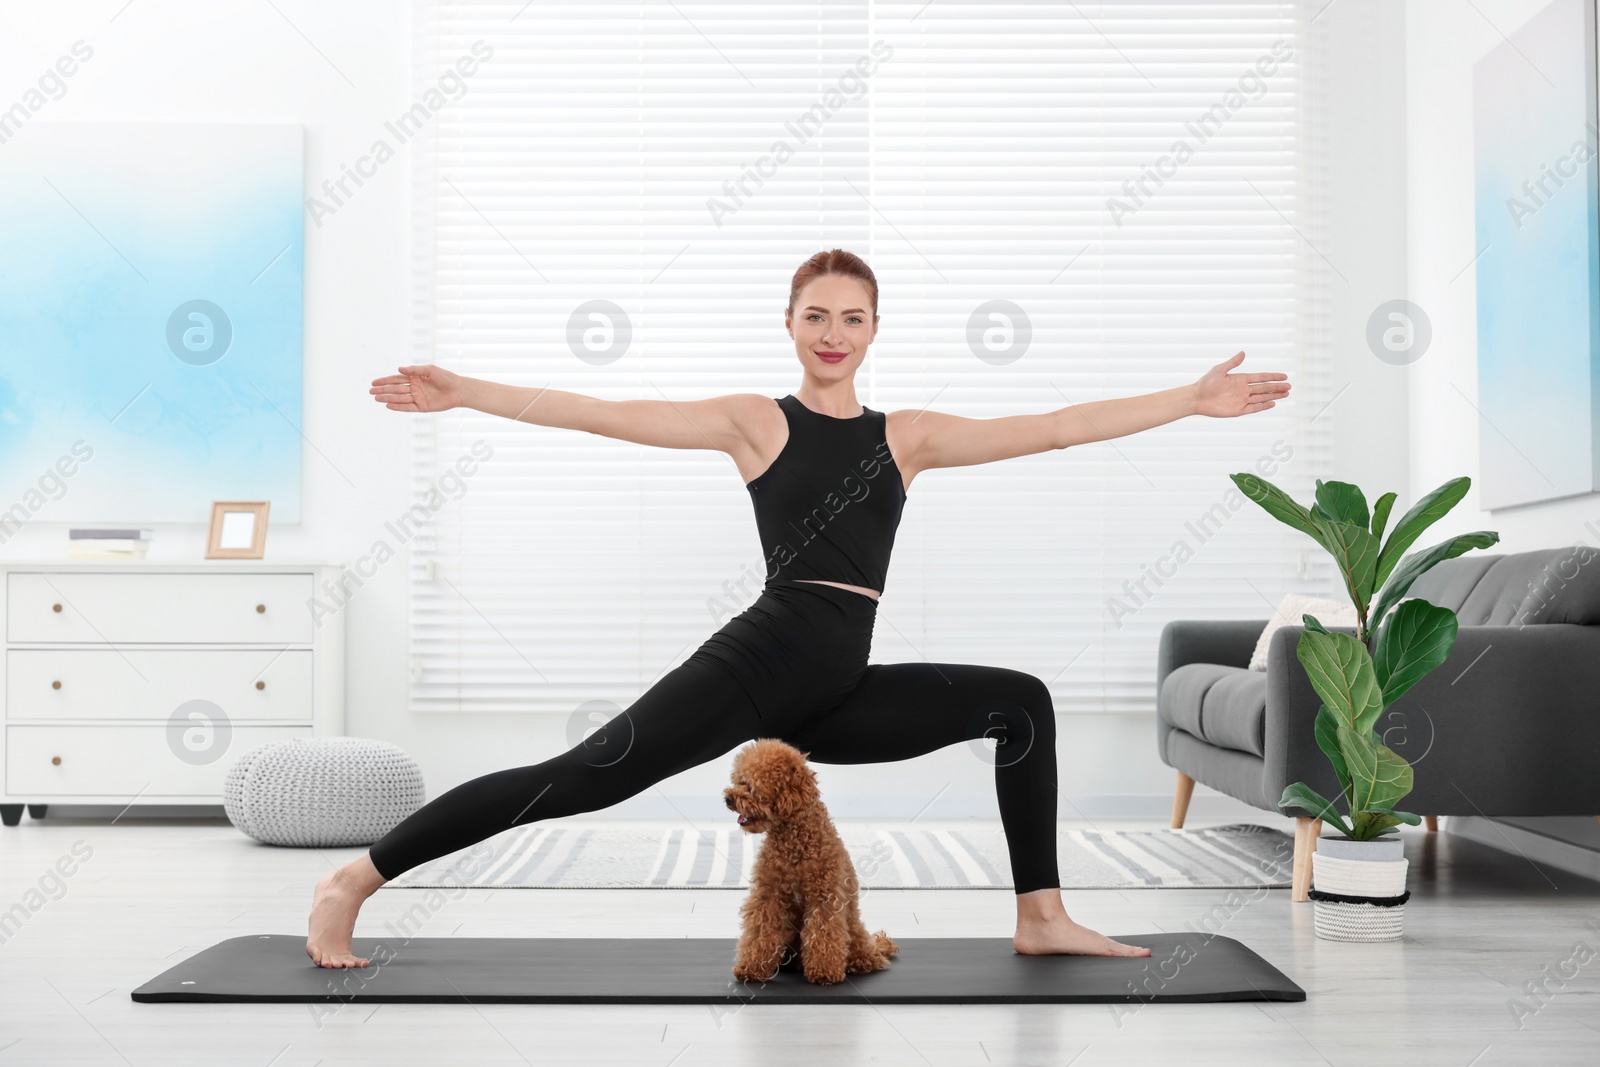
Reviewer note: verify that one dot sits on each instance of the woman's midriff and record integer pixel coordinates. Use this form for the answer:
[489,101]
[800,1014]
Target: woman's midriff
[873,594]
[795,650]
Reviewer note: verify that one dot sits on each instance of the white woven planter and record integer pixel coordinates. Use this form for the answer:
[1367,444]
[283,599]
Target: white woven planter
[322,791]
[1373,870]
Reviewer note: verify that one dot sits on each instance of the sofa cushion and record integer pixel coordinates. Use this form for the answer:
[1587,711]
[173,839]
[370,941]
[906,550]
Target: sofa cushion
[1225,706]
[1547,585]
[1292,611]
[1448,583]
[1565,587]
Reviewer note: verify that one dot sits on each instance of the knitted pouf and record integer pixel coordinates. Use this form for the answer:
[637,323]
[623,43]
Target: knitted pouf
[322,790]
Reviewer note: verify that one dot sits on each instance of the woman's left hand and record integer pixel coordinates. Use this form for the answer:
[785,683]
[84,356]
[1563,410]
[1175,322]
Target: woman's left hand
[1223,395]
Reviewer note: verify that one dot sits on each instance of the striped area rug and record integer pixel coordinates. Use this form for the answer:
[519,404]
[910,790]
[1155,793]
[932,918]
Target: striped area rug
[887,856]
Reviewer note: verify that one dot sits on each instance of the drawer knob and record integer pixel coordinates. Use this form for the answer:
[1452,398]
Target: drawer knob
[55,685]
[55,607]
[261,609]
[261,685]
[55,761]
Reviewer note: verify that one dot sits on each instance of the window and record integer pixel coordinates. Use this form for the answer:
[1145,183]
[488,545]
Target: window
[1129,187]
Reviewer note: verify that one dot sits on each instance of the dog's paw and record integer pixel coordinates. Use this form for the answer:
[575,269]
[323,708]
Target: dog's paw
[875,961]
[824,976]
[745,972]
[864,965]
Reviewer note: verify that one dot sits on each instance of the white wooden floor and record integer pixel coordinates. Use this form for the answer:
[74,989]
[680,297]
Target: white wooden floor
[1480,924]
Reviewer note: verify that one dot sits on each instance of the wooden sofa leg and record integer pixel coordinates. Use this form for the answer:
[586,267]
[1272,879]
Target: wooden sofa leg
[1180,800]
[1306,832]
[1432,822]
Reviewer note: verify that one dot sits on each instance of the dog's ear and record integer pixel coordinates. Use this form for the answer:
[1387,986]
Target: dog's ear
[798,792]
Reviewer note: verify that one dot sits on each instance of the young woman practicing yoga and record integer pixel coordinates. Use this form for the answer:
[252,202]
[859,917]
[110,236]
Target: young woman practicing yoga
[828,478]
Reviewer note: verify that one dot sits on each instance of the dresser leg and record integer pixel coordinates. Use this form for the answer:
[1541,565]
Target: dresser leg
[36,811]
[10,814]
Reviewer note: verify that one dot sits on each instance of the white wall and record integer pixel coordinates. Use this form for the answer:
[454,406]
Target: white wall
[199,61]
[1442,43]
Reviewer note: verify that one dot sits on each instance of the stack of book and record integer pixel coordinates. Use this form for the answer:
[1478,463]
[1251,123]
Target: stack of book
[109,544]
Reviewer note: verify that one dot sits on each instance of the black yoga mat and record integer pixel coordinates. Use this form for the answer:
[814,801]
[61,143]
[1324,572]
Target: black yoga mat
[1181,968]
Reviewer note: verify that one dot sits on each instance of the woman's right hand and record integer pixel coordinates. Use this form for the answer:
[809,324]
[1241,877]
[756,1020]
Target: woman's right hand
[420,388]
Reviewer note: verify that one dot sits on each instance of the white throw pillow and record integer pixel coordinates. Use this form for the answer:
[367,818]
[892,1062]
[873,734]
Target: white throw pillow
[1330,613]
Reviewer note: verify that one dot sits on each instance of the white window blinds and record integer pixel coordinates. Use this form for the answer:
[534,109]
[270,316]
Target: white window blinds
[1131,180]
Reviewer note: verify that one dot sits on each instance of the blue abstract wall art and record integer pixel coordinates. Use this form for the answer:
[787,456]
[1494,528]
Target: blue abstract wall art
[151,289]
[1538,260]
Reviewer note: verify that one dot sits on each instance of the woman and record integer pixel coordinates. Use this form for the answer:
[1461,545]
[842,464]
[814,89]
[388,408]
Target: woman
[828,478]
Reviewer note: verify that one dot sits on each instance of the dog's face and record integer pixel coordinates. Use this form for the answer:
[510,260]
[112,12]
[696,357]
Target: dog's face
[772,784]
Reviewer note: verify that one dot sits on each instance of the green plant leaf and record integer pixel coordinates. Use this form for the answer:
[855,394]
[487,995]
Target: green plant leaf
[1340,670]
[1313,624]
[1361,759]
[1370,824]
[1277,503]
[1378,777]
[1300,795]
[1342,502]
[1411,642]
[1395,779]
[1404,816]
[1423,514]
[1327,732]
[1355,551]
[1380,514]
[1416,564]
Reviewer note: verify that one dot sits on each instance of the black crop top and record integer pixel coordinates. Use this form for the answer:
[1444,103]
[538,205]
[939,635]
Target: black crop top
[829,505]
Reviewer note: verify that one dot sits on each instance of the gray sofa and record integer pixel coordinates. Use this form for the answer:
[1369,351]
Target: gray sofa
[1508,725]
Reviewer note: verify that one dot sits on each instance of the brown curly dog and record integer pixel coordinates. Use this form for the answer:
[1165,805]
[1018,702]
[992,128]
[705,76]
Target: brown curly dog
[803,887]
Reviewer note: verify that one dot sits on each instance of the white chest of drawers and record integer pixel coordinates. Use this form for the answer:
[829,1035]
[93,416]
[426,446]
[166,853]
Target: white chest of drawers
[140,683]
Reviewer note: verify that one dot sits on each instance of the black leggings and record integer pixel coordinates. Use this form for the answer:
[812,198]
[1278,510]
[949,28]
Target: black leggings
[792,666]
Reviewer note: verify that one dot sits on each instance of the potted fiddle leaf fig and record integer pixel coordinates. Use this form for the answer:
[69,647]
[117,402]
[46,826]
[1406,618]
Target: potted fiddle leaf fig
[1358,875]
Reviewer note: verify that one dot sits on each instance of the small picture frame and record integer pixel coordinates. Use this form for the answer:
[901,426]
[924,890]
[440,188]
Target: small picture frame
[238,529]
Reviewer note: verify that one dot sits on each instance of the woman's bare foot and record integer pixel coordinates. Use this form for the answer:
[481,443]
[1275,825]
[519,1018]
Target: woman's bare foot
[334,907]
[1039,937]
[1043,927]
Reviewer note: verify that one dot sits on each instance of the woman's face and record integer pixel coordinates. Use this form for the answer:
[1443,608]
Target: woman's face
[832,325]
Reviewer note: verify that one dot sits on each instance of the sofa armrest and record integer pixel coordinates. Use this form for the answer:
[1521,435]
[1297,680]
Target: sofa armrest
[1230,642]
[1507,725]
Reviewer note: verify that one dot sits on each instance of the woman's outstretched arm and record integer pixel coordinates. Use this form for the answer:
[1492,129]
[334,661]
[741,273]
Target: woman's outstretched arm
[934,439]
[721,422]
